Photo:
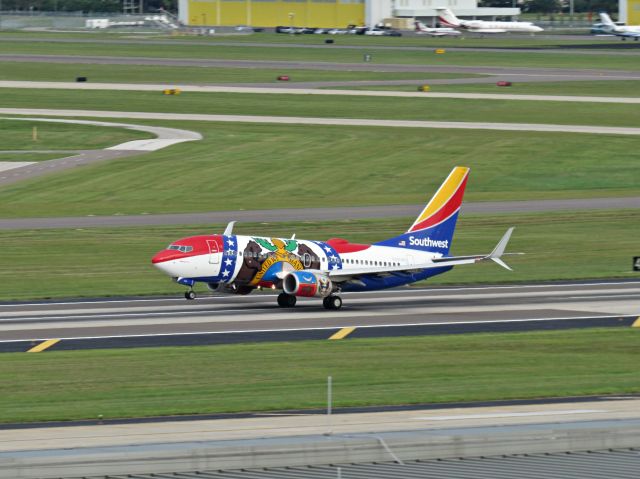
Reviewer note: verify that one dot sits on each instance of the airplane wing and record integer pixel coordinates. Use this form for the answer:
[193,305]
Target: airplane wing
[340,276]
[627,34]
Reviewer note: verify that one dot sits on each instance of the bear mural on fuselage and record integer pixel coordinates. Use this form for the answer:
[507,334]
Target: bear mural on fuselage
[255,261]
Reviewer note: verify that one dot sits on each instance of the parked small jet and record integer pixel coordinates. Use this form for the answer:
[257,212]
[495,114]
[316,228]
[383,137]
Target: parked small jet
[236,264]
[624,31]
[422,29]
[447,18]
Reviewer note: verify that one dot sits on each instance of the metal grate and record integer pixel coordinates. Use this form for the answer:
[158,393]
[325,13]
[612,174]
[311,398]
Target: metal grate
[610,464]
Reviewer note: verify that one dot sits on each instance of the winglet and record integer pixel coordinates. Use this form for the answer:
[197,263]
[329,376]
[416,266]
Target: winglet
[229,229]
[498,251]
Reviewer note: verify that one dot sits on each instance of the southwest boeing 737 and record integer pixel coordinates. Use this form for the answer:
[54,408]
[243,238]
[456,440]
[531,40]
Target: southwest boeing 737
[236,264]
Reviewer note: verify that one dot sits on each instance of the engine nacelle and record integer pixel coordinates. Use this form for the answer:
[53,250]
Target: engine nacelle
[303,283]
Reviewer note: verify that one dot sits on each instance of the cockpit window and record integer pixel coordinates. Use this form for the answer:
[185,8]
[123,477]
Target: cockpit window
[182,249]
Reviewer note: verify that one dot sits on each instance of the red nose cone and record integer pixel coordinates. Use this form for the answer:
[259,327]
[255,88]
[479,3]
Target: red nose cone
[165,255]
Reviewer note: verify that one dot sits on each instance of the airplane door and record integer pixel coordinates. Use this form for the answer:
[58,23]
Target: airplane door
[214,257]
[306,260]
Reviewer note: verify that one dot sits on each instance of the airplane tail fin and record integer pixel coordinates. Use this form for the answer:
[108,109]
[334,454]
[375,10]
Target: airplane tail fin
[433,228]
[606,19]
[447,18]
[419,26]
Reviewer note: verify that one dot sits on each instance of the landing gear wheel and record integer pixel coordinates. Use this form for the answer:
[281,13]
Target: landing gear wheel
[286,300]
[190,295]
[332,302]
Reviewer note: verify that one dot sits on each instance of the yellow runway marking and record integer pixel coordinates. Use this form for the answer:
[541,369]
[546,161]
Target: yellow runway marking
[343,333]
[44,345]
[636,323]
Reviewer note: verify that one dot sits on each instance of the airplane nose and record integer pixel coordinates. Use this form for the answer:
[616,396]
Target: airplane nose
[163,256]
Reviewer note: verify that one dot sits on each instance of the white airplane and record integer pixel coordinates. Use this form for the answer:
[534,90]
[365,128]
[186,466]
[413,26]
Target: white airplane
[236,264]
[624,31]
[422,29]
[447,18]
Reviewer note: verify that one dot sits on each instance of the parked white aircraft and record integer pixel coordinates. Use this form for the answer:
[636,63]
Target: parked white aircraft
[422,29]
[624,31]
[447,18]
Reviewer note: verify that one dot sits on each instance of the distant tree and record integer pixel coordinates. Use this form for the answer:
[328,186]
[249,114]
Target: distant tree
[595,6]
[496,3]
[86,6]
[541,6]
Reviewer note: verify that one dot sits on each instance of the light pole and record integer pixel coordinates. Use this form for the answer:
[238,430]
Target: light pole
[291,16]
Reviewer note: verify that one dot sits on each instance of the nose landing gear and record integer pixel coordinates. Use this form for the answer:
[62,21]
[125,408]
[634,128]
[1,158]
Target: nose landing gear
[190,295]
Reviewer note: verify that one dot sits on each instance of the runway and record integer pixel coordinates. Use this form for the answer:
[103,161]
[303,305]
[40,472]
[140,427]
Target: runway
[399,312]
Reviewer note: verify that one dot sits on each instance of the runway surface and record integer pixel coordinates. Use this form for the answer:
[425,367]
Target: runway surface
[398,312]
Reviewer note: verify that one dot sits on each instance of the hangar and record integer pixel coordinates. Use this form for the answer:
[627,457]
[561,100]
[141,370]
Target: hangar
[630,12]
[324,13]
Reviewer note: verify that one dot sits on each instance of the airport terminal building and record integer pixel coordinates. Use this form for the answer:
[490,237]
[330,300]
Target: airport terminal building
[324,13]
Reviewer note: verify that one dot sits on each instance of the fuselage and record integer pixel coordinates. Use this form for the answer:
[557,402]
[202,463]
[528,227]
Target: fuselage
[252,261]
[482,26]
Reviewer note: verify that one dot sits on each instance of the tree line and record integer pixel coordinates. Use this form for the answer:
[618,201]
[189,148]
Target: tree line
[85,6]
[555,6]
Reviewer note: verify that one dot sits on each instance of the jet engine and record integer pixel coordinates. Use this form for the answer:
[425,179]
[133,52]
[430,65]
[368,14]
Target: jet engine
[303,283]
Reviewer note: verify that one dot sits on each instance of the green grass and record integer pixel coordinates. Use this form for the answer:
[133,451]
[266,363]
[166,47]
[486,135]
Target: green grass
[18,135]
[266,166]
[60,72]
[330,106]
[421,56]
[116,261]
[578,88]
[259,377]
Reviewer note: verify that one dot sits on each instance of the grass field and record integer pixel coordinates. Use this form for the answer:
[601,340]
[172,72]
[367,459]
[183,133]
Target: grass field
[18,135]
[259,377]
[331,106]
[117,261]
[327,53]
[61,72]
[385,166]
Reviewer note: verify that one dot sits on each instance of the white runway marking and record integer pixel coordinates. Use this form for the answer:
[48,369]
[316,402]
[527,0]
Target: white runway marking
[10,165]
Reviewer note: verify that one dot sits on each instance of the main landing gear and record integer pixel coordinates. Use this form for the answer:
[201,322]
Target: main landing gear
[286,300]
[332,302]
[190,295]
